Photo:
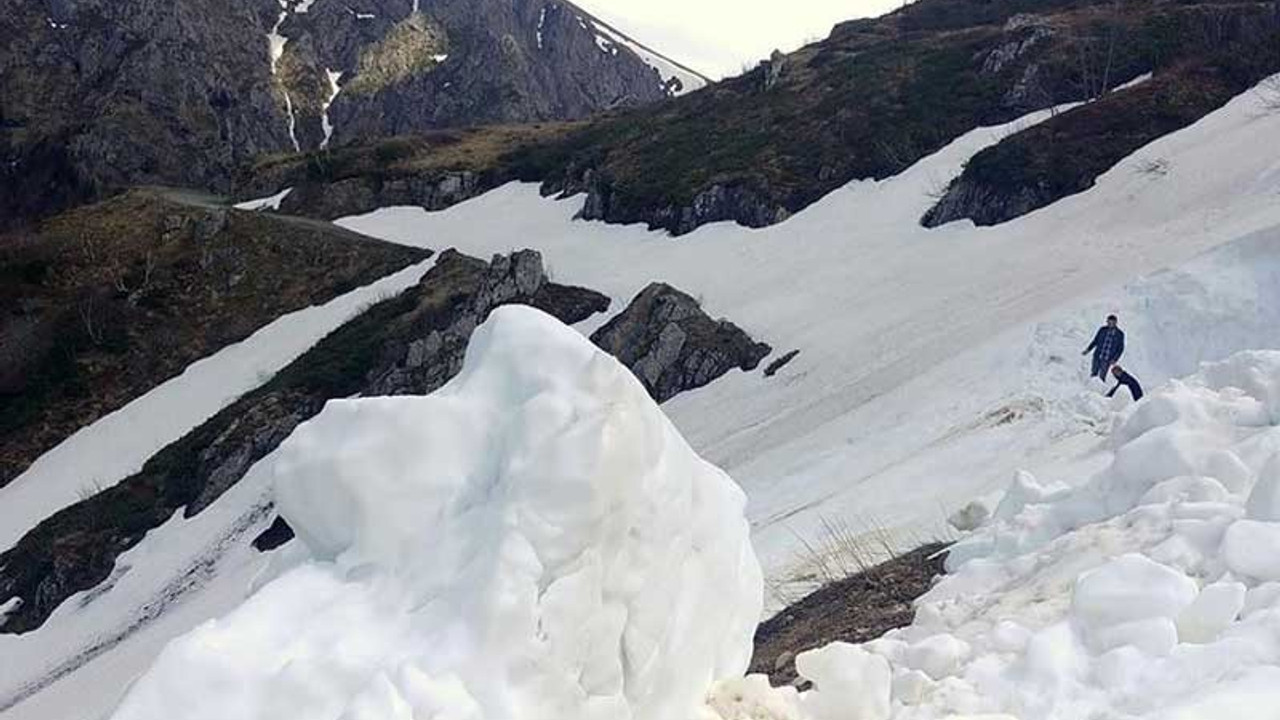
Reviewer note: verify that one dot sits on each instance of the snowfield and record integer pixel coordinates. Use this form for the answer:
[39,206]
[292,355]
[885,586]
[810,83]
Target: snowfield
[934,367]
[916,345]
[119,444]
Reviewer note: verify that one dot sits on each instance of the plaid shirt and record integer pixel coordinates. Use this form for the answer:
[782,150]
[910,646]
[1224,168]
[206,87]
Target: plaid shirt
[1109,343]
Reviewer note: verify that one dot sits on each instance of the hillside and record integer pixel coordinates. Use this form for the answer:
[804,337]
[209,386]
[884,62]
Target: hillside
[99,96]
[591,408]
[106,302]
[878,95]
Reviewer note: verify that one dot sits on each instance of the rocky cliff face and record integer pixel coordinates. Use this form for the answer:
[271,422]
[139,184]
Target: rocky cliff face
[99,95]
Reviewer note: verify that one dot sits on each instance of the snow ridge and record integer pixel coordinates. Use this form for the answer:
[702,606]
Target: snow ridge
[678,79]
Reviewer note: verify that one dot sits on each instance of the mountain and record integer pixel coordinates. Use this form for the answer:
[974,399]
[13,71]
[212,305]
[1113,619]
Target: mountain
[394,495]
[880,94]
[98,96]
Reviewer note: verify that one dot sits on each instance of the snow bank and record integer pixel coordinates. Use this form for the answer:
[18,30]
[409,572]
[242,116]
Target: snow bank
[1145,592]
[535,540]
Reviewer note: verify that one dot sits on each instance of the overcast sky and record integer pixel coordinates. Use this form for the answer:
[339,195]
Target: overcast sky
[719,37]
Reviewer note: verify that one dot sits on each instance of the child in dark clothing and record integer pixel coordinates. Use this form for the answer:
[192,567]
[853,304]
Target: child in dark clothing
[1127,380]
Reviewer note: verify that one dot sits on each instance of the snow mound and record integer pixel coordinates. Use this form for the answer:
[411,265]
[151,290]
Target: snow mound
[1147,591]
[535,540]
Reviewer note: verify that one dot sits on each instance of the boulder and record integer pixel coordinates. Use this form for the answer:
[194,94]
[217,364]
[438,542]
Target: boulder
[667,340]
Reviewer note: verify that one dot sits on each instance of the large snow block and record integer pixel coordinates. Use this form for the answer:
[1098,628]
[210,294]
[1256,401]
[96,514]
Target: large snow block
[535,540]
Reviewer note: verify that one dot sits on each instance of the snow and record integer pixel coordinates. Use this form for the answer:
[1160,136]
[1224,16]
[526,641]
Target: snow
[1109,622]
[1143,78]
[276,41]
[118,444]
[609,39]
[542,23]
[333,76]
[293,121]
[535,540]
[935,363]
[267,203]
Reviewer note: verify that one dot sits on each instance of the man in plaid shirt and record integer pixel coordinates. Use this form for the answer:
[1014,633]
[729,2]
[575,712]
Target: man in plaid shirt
[1107,347]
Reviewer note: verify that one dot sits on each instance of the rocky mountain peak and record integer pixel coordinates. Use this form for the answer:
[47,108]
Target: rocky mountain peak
[102,95]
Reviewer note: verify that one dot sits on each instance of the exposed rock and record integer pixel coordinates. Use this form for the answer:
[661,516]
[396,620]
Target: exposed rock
[411,344]
[672,346]
[773,68]
[966,198]
[274,536]
[358,195]
[780,363]
[1025,32]
[718,203]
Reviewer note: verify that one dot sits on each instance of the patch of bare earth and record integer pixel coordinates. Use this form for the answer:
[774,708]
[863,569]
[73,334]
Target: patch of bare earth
[857,609]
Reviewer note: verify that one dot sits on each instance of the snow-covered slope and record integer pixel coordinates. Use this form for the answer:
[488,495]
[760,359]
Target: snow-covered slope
[933,363]
[915,343]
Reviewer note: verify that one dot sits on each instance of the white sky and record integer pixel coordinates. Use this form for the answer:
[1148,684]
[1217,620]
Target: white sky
[719,37]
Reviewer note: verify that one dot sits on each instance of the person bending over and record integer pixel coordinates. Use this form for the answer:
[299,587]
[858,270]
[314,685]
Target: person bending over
[1127,380]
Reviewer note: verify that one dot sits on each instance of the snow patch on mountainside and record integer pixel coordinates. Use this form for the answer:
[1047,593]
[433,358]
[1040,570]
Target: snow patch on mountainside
[118,445]
[535,540]
[934,364]
[677,78]
[915,343]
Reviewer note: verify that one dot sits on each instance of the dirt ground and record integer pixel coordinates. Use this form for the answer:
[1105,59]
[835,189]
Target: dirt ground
[857,609]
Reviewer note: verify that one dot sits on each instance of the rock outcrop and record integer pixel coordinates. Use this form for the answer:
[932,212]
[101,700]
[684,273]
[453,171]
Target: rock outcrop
[729,202]
[411,344]
[672,345]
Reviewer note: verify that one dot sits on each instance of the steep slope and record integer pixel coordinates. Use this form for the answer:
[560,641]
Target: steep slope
[933,362]
[103,95]
[1231,50]
[880,94]
[916,343]
[108,301]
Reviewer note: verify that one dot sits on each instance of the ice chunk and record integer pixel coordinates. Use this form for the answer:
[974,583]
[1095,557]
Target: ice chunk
[1213,610]
[535,540]
[910,686]
[938,656]
[1026,490]
[1156,636]
[1263,597]
[970,517]
[1252,548]
[1130,588]
[1186,488]
[849,683]
[1264,500]
[753,698]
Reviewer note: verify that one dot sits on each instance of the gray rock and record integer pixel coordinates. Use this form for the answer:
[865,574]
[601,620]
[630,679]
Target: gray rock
[672,346]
